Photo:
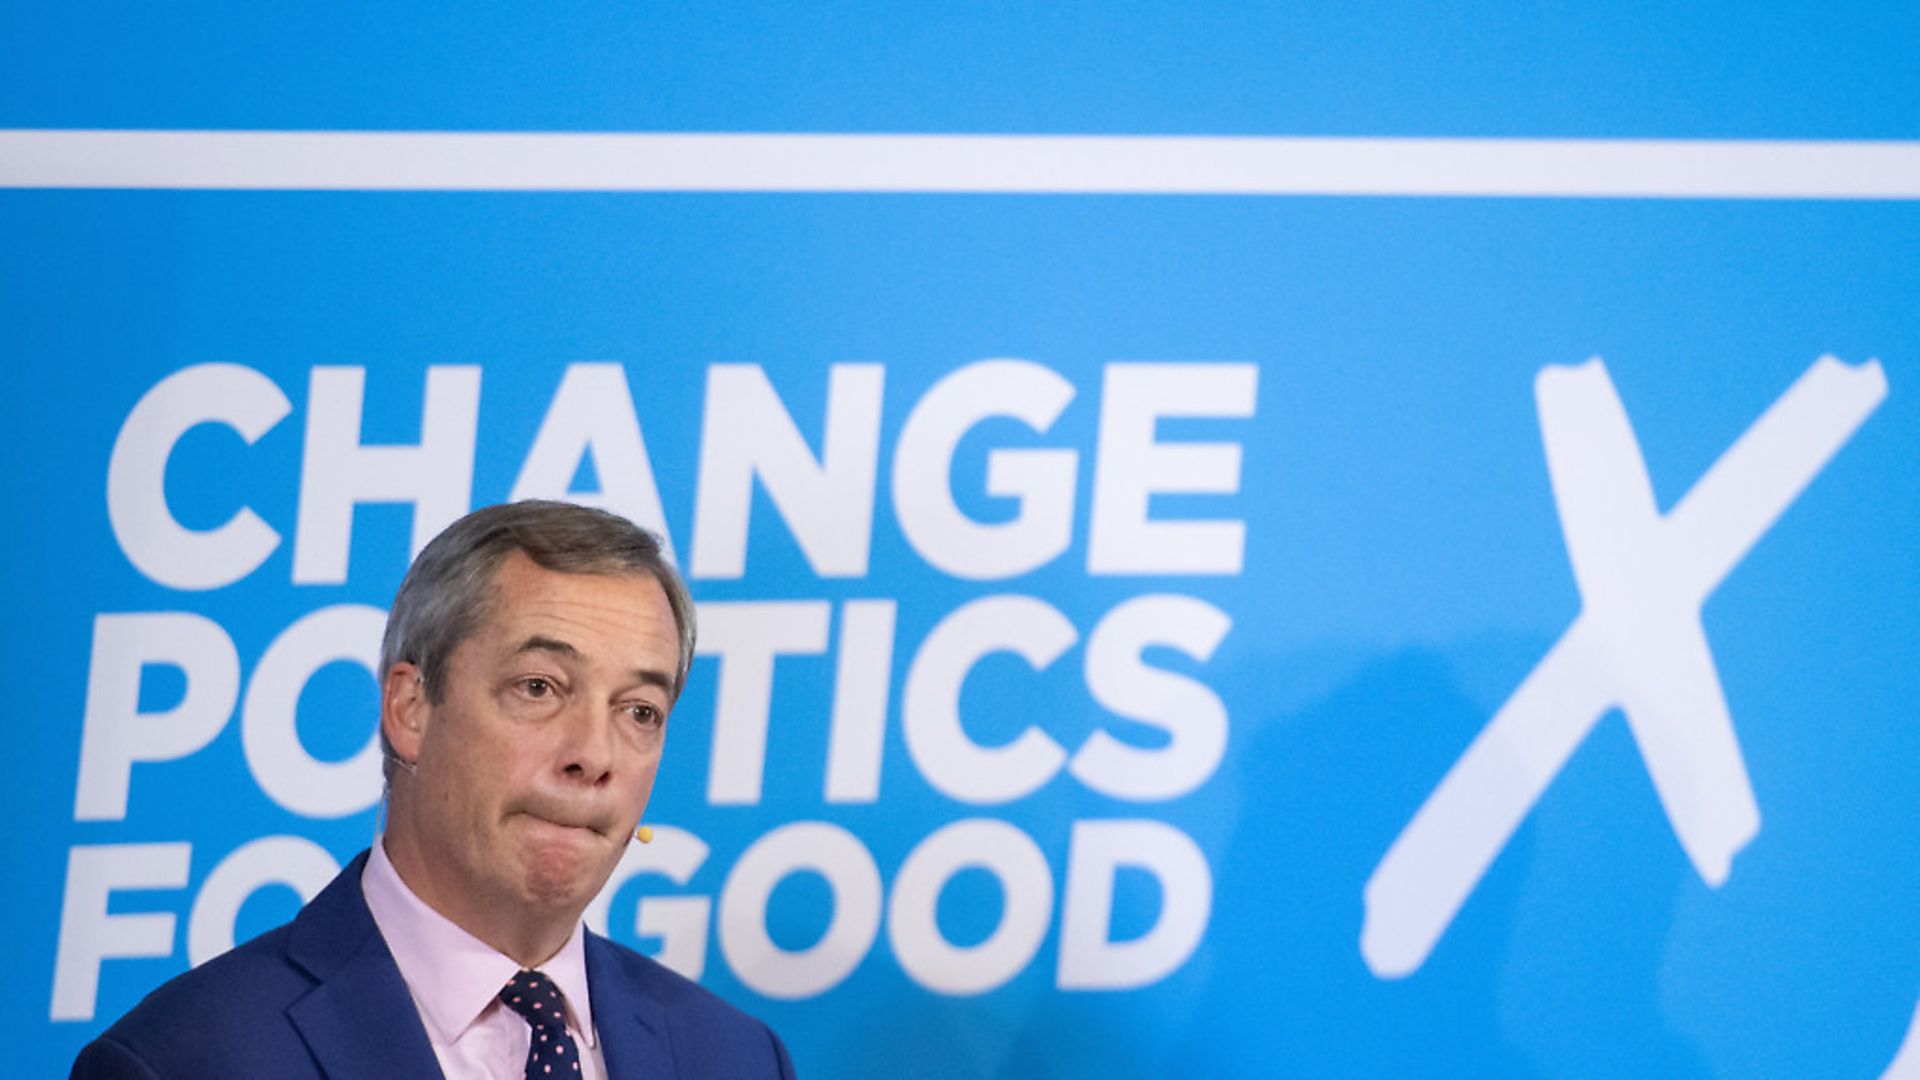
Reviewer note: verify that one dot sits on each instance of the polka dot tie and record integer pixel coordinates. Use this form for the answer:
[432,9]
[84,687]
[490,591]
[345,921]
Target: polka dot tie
[550,1050]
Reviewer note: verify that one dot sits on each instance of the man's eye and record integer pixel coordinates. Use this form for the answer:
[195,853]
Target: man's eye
[536,687]
[644,713]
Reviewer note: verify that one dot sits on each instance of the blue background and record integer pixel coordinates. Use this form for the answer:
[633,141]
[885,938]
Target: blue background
[1404,567]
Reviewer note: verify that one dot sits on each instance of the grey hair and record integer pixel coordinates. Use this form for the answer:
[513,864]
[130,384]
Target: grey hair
[449,588]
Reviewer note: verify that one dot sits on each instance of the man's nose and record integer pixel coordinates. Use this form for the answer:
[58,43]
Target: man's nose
[587,744]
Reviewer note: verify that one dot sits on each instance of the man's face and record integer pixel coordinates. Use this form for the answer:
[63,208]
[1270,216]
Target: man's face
[532,770]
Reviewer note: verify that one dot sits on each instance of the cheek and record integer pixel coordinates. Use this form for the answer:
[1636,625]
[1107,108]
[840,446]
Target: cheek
[642,786]
[475,779]
[479,754]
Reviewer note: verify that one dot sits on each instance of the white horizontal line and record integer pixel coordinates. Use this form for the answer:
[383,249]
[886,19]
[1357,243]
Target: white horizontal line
[957,164]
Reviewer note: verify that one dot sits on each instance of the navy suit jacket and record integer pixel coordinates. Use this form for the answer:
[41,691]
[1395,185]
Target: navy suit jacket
[322,997]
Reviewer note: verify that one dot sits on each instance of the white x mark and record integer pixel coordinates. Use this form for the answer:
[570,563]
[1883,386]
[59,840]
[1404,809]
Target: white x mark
[1637,644]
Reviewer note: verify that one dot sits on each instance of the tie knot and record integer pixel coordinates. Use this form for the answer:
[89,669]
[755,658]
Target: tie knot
[533,996]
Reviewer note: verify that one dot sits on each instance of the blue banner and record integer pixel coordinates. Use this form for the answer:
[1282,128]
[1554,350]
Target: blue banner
[1239,579]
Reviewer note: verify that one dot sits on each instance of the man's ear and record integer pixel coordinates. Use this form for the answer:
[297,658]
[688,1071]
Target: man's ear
[404,710]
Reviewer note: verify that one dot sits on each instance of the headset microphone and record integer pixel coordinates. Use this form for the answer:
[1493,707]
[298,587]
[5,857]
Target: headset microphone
[643,834]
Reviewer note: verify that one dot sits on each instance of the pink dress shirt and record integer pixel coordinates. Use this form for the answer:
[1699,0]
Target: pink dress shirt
[454,977]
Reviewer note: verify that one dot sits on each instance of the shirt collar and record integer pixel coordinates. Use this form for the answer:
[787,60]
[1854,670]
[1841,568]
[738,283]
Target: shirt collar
[452,975]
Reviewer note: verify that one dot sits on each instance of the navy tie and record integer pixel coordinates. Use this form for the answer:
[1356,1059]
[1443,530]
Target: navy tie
[550,1050]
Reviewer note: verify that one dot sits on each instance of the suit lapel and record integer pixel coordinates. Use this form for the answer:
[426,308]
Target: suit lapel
[632,1026]
[360,1021]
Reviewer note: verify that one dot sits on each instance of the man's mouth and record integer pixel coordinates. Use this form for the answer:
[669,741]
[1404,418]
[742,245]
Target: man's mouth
[564,822]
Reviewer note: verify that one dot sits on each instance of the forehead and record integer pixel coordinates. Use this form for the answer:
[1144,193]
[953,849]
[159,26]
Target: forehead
[627,613]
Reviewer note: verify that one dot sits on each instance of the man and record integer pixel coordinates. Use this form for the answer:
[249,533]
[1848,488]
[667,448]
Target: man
[530,661]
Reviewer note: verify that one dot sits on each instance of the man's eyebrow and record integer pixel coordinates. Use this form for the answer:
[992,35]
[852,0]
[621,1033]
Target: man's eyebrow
[539,643]
[651,677]
[542,643]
